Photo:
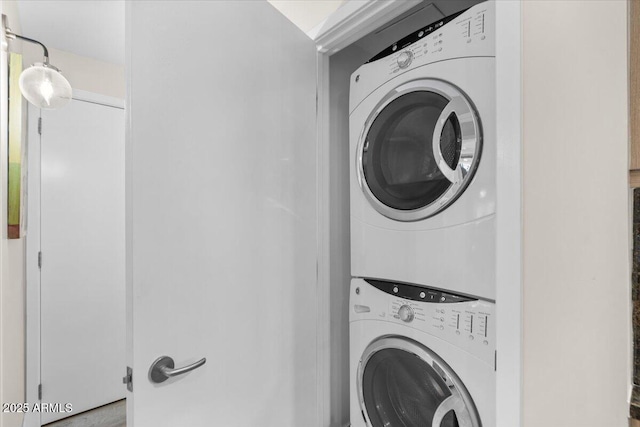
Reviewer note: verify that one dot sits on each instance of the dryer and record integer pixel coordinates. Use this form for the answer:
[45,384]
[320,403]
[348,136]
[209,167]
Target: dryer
[423,146]
[420,357]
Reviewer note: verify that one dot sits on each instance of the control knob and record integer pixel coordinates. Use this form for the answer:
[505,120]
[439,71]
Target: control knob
[405,58]
[406,313]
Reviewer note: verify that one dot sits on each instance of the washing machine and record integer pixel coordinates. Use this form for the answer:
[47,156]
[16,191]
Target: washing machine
[420,357]
[423,169]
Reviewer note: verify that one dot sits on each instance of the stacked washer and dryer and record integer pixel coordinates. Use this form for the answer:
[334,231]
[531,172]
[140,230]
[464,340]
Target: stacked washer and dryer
[423,204]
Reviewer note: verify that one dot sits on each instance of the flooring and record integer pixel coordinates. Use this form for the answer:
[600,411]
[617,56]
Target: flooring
[111,415]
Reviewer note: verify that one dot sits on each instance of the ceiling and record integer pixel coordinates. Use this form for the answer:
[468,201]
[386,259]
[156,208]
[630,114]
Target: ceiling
[306,14]
[93,28]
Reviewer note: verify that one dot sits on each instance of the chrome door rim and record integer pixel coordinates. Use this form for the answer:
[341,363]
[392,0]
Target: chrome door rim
[460,400]
[470,151]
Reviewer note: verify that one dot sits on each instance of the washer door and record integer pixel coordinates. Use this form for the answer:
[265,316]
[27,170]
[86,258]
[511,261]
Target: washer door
[419,150]
[403,383]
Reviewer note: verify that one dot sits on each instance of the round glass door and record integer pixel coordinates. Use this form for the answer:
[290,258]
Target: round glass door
[401,383]
[419,150]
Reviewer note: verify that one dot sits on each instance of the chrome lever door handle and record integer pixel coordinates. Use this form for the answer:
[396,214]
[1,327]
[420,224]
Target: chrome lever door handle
[163,369]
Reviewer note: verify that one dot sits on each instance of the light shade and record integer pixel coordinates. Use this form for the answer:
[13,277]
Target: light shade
[45,87]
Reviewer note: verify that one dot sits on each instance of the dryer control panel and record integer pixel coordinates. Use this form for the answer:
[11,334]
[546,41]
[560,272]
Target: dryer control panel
[463,321]
[467,34]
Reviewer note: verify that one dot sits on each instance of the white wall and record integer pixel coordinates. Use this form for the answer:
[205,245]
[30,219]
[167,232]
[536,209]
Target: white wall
[11,275]
[576,262]
[83,73]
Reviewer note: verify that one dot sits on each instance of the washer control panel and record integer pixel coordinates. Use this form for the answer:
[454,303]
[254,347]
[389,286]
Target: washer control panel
[470,320]
[464,321]
[406,313]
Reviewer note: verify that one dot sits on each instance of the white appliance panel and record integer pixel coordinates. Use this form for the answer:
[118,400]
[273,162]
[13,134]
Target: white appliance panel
[460,259]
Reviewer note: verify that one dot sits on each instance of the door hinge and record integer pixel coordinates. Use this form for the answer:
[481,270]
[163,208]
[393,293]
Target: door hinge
[39,259]
[128,379]
[39,391]
[39,125]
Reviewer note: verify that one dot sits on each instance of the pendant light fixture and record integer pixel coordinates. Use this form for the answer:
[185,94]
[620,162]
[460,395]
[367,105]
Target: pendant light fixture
[42,84]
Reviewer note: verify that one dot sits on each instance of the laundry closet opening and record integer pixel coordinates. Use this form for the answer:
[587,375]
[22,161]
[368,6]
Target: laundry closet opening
[341,159]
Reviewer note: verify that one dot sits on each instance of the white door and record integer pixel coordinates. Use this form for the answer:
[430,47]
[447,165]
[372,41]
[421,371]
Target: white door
[82,245]
[221,214]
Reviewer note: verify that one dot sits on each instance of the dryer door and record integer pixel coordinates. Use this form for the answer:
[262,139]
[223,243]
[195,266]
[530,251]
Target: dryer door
[403,383]
[419,150]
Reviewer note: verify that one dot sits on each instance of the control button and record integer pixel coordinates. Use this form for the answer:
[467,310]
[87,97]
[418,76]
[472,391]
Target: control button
[421,33]
[405,58]
[441,328]
[457,332]
[483,37]
[443,299]
[395,289]
[485,342]
[422,295]
[394,48]
[470,337]
[440,50]
[468,40]
[442,319]
[406,313]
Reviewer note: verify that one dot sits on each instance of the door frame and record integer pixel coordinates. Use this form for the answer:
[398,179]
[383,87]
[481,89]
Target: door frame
[349,23]
[32,248]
